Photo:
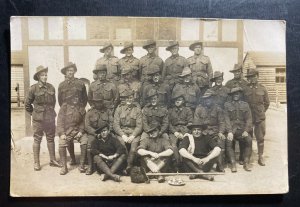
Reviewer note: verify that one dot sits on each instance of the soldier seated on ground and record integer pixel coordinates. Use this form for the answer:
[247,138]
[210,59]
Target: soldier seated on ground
[128,124]
[156,152]
[179,117]
[199,151]
[70,127]
[108,153]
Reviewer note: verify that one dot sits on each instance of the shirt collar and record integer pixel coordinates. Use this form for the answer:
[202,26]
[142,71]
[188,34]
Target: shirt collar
[41,85]
[175,56]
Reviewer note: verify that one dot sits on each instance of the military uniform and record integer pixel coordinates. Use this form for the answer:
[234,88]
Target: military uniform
[221,95]
[128,121]
[70,122]
[191,93]
[257,98]
[238,119]
[42,97]
[173,67]
[105,89]
[146,62]
[133,63]
[113,67]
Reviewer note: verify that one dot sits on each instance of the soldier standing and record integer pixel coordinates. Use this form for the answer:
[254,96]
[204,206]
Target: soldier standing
[179,117]
[220,90]
[155,114]
[256,95]
[174,65]
[190,89]
[155,82]
[111,62]
[129,60]
[70,126]
[42,96]
[200,66]
[148,60]
[128,125]
[96,117]
[67,88]
[237,80]
[238,121]
[213,116]
[104,88]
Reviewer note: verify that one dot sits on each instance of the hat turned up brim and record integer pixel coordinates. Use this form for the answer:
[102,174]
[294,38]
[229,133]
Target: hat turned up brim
[40,69]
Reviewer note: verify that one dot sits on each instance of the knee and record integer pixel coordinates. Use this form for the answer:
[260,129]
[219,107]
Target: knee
[123,157]
[97,159]
[37,139]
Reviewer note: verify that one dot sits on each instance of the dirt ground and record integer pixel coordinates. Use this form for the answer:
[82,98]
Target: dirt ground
[272,178]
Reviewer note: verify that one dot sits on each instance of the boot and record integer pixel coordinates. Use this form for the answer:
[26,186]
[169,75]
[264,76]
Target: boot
[51,149]
[260,148]
[36,156]
[207,177]
[71,152]
[242,149]
[105,169]
[261,160]
[231,156]
[247,165]
[247,156]
[220,162]
[63,159]
[83,149]
[89,170]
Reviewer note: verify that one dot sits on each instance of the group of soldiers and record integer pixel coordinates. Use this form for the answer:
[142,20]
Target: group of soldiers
[164,116]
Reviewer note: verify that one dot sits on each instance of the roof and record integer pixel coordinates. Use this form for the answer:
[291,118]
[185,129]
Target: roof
[267,58]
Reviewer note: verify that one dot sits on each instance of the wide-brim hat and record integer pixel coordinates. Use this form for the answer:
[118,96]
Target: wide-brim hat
[251,72]
[106,45]
[124,91]
[68,65]
[102,126]
[177,94]
[153,69]
[197,124]
[171,44]
[216,75]
[100,67]
[193,45]
[235,89]
[186,71]
[149,43]
[151,93]
[209,93]
[236,67]
[39,69]
[126,45]
[152,129]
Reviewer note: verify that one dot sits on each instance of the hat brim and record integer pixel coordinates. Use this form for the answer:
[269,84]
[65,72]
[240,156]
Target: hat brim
[214,78]
[95,71]
[63,70]
[35,76]
[152,129]
[183,75]
[192,46]
[100,129]
[146,46]
[201,126]
[232,71]
[231,93]
[125,48]
[102,50]
[174,98]
[170,47]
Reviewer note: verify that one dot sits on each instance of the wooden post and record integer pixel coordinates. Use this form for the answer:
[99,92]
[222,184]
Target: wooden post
[18,94]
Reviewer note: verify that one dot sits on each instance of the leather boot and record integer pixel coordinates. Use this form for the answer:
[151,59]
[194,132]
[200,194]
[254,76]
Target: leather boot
[51,149]
[220,162]
[260,148]
[71,152]
[261,160]
[105,169]
[242,151]
[231,156]
[89,170]
[36,156]
[83,149]
[63,159]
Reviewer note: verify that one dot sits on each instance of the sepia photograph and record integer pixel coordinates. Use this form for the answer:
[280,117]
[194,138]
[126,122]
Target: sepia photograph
[147,106]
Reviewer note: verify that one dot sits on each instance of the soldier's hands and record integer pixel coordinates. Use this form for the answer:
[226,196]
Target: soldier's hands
[154,155]
[198,161]
[79,134]
[245,134]
[125,138]
[111,157]
[103,156]
[221,136]
[230,136]
[177,134]
[63,137]
[204,160]
[130,139]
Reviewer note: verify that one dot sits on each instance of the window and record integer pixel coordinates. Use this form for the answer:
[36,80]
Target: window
[98,27]
[167,29]
[144,29]
[190,29]
[76,28]
[280,75]
[36,28]
[122,28]
[229,30]
[55,28]
[210,31]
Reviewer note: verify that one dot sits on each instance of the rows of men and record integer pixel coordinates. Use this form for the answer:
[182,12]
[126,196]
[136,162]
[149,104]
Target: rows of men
[172,116]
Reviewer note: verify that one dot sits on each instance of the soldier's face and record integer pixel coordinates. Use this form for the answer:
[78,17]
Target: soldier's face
[129,51]
[236,96]
[219,81]
[174,50]
[43,77]
[153,134]
[127,76]
[129,100]
[156,77]
[102,75]
[107,51]
[197,50]
[237,74]
[208,101]
[154,100]
[196,132]
[104,132]
[179,102]
[252,79]
[75,100]
[151,49]
[70,73]
[187,78]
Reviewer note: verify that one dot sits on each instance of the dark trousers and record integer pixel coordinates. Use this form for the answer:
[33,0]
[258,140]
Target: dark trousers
[260,132]
[193,167]
[41,127]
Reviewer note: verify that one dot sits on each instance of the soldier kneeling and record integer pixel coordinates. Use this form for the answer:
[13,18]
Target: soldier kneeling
[156,152]
[199,151]
[70,126]
[108,153]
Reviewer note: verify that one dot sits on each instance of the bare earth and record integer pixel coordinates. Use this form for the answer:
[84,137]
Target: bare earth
[272,178]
